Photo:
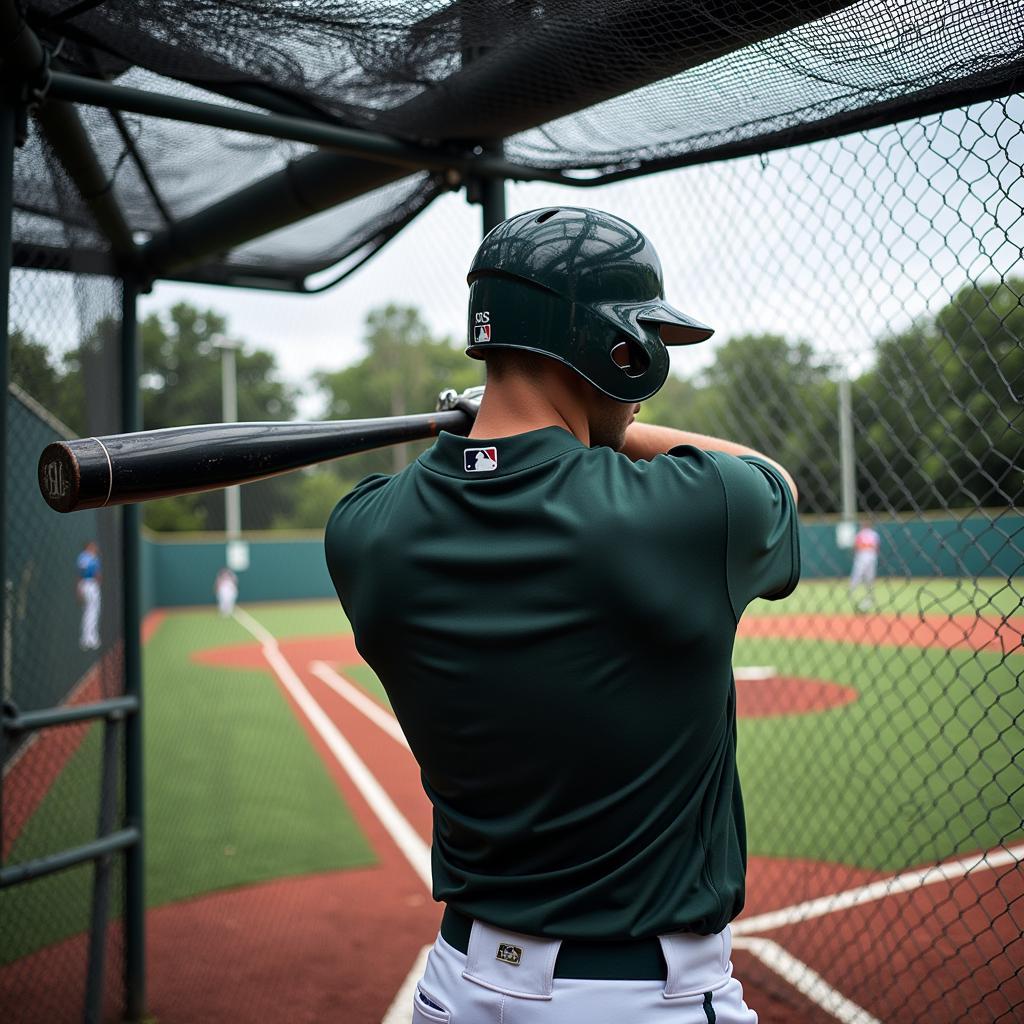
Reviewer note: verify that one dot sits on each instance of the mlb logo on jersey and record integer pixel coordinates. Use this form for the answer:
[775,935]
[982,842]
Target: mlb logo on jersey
[482,333]
[480,460]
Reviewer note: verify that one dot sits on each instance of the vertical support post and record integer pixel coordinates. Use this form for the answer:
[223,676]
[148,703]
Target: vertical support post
[229,414]
[8,119]
[96,974]
[847,463]
[229,399]
[492,192]
[134,878]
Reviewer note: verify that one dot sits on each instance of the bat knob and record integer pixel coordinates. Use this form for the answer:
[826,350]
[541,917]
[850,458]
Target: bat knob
[74,475]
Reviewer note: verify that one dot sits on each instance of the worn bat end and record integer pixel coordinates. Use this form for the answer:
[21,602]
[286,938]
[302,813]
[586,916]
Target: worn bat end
[59,478]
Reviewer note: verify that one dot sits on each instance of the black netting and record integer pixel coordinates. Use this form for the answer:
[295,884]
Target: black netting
[880,729]
[655,83]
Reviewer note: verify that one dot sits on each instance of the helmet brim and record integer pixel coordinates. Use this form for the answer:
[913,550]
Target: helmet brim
[674,326]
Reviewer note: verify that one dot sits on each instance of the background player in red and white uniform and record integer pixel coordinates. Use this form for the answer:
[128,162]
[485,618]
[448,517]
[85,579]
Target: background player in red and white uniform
[865,566]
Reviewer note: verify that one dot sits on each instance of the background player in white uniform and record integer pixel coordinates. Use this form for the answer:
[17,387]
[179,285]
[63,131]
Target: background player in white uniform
[865,566]
[88,566]
[226,589]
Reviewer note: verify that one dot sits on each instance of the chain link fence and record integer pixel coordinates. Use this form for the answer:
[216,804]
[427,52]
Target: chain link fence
[880,722]
[881,731]
[65,382]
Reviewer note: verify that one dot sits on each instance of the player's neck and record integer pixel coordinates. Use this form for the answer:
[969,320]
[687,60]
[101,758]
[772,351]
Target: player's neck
[514,405]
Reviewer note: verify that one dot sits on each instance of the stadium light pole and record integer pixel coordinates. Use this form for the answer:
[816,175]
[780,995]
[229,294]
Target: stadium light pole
[847,466]
[229,414]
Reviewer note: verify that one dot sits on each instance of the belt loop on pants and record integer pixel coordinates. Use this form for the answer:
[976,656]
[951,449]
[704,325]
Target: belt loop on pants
[630,959]
[510,963]
[696,963]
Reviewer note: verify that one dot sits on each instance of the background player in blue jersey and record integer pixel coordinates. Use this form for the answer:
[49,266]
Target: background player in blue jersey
[88,567]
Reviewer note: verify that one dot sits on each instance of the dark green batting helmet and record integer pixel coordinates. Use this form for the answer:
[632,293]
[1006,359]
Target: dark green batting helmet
[582,287]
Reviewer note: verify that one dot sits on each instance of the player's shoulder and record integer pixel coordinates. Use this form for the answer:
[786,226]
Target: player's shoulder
[365,491]
[673,491]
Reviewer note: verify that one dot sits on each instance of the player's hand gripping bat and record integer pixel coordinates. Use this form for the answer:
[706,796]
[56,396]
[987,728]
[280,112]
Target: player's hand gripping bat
[96,472]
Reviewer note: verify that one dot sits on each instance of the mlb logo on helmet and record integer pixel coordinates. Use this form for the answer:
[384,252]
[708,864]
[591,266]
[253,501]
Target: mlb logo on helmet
[480,460]
[482,327]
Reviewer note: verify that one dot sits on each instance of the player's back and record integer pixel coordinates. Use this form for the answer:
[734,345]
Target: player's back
[553,625]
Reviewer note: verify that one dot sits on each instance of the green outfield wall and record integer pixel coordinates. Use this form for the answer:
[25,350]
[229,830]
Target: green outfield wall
[181,570]
[281,568]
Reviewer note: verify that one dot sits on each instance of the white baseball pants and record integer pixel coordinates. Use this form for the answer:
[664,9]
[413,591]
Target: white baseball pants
[865,565]
[89,634]
[478,988]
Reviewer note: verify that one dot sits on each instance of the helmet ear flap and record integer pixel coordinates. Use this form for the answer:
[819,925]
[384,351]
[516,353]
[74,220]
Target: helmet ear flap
[630,357]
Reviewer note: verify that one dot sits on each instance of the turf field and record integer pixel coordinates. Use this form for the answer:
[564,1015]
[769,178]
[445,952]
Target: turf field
[920,767]
[235,793]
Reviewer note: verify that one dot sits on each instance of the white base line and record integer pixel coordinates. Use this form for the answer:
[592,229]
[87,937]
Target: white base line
[906,881]
[406,838]
[754,673]
[805,980]
[400,1011]
[359,700]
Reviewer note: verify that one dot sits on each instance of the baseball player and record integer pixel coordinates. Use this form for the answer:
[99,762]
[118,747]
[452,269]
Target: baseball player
[551,604]
[88,590]
[225,587]
[865,566]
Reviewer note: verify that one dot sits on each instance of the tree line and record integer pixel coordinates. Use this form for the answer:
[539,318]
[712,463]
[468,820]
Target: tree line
[937,417]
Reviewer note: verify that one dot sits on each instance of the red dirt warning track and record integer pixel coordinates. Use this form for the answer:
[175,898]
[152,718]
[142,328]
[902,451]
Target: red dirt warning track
[977,633]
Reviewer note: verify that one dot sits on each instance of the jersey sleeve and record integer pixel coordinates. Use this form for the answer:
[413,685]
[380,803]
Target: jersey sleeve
[763,540]
[348,526]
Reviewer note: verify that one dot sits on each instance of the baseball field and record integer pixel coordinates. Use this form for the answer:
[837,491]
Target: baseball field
[288,839]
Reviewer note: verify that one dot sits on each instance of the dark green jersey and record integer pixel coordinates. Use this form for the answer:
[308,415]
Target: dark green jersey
[554,625]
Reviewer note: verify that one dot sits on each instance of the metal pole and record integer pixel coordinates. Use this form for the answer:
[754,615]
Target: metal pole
[8,115]
[96,972]
[492,194]
[847,465]
[229,414]
[354,142]
[134,877]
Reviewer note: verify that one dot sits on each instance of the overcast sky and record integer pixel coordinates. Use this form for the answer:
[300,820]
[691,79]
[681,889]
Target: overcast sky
[837,243]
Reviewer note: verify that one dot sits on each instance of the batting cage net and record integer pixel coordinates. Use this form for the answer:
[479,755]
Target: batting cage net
[61,785]
[839,192]
[870,290]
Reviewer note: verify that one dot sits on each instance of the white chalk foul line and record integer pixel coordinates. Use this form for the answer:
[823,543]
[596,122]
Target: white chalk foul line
[805,980]
[906,881]
[400,1011]
[754,673]
[359,700]
[405,837]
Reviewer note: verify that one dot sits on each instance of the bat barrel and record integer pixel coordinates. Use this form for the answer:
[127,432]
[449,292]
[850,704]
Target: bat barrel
[95,472]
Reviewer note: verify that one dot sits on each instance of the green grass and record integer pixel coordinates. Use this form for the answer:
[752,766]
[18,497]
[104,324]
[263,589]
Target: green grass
[920,767]
[985,596]
[302,618]
[235,793]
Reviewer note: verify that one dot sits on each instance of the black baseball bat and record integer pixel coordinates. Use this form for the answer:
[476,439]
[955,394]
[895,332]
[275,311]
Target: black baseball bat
[120,469]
